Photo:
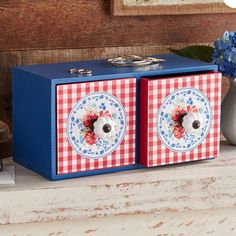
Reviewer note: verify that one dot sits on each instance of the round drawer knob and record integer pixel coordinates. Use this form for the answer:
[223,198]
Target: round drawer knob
[191,122]
[106,128]
[103,127]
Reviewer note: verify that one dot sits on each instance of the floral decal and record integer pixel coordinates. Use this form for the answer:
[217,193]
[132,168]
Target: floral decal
[90,137]
[178,131]
[169,127]
[192,109]
[88,121]
[176,115]
[105,114]
[81,125]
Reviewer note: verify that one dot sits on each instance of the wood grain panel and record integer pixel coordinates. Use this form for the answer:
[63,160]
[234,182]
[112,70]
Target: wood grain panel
[9,59]
[52,24]
[12,58]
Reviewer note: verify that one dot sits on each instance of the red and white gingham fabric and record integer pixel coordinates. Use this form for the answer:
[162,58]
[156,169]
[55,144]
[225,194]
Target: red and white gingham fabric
[157,90]
[68,161]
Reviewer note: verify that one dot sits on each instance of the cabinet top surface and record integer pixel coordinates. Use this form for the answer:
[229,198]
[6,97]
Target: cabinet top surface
[173,65]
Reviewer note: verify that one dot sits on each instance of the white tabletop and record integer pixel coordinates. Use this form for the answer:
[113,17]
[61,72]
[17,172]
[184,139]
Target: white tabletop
[192,187]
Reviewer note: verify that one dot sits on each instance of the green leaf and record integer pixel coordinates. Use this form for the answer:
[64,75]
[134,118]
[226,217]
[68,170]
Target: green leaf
[198,52]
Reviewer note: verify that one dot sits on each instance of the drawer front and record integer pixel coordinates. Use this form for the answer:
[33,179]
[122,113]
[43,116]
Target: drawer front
[96,125]
[183,119]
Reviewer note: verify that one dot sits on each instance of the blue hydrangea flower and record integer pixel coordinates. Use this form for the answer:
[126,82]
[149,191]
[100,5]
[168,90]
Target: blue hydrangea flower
[224,54]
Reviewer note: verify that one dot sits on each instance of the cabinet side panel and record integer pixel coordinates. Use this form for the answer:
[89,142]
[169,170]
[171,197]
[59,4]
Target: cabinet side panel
[31,122]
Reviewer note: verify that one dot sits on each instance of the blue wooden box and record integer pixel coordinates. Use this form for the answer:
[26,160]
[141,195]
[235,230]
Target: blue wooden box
[35,106]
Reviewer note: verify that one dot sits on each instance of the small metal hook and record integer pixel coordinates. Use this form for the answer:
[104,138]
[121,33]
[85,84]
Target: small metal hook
[82,72]
[72,70]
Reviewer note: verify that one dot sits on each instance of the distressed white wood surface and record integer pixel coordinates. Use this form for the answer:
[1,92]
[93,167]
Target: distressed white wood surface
[179,192]
[195,223]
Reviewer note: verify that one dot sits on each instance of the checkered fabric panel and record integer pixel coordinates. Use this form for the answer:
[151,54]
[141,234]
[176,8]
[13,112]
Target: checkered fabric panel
[210,84]
[68,161]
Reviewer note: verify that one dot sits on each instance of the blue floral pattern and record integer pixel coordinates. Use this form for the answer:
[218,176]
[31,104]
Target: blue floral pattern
[95,103]
[183,99]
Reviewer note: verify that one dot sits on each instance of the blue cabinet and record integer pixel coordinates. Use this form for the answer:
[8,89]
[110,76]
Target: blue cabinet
[65,125]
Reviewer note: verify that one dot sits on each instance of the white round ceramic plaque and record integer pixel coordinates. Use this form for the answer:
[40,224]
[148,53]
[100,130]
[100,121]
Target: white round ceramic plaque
[173,109]
[80,128]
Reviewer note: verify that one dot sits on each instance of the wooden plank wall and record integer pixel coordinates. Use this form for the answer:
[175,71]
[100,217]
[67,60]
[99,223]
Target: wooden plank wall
[55,31]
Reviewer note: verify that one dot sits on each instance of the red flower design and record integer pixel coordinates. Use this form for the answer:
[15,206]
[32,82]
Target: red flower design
[178,131]
[104,114]
[88,119]
[177,113]
[192,108]
[90,137]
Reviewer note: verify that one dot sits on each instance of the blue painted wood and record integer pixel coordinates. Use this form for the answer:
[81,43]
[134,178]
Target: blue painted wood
[34,106]
[173,65]
[31,122]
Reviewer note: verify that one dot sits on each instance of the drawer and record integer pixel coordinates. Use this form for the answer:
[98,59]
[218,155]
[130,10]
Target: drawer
[180,118]
[95,125]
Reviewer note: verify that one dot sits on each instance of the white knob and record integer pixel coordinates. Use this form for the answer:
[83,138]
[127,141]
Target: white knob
[192,122]
[104,127]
